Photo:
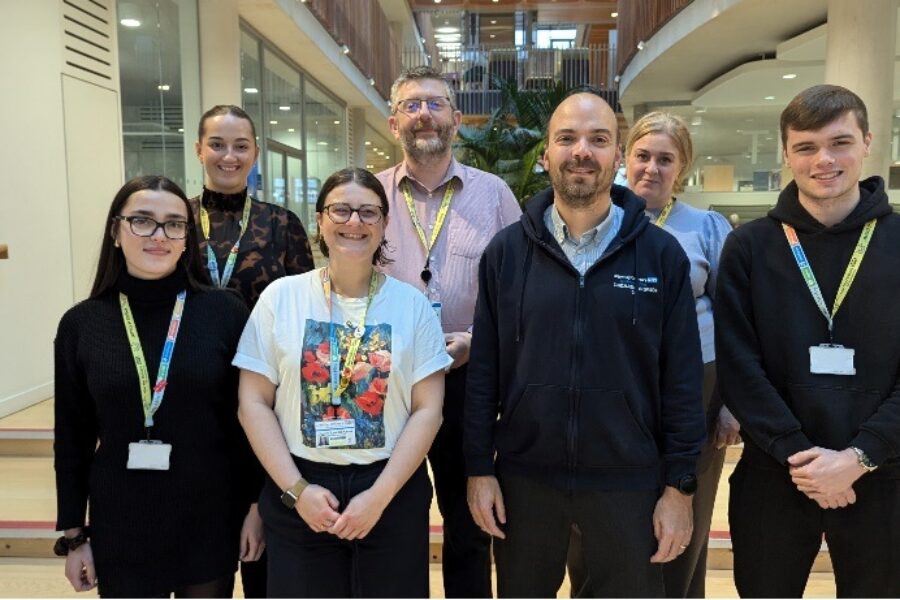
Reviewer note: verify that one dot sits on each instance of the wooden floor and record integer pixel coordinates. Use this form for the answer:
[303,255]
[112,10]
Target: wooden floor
[27,494]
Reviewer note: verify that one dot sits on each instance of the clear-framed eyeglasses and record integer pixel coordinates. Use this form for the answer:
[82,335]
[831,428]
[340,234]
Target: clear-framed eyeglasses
[142,226]
[413,106]
[340,213]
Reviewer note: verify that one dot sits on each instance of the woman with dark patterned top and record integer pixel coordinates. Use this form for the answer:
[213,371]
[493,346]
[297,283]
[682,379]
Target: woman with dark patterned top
[269,242]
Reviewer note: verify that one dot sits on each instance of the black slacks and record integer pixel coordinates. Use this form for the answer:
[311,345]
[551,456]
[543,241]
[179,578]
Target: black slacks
[776,532]
[466,562]
[617,540]
[390,562]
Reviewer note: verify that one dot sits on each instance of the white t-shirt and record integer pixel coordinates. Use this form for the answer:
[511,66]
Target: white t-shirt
[287,340]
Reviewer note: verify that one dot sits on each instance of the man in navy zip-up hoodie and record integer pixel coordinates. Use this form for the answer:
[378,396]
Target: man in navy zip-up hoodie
[586,346]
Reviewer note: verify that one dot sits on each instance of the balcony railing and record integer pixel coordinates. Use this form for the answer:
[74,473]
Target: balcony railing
[362,26]
[638,21]
[476,74]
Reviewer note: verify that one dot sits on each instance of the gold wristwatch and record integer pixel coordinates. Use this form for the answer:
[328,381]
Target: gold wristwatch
[290,496]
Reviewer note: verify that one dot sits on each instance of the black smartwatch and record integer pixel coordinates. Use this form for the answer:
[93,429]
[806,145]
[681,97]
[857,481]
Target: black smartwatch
[64,545]
[687,485]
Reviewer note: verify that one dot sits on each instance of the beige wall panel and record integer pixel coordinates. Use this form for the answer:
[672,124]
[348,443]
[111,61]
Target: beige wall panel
[718,178]
[94,162]
[36,280]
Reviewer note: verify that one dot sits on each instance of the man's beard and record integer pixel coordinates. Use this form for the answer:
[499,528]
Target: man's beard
[580,194]
[424,150]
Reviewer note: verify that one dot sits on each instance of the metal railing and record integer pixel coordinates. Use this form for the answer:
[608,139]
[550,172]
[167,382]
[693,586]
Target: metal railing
[476,73]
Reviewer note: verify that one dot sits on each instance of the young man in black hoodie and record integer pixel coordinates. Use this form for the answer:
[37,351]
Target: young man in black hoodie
[808,354]
[586,347]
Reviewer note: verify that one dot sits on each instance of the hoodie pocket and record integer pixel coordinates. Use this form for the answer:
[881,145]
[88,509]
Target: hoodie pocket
[609,433]
[831,415]
[534,429]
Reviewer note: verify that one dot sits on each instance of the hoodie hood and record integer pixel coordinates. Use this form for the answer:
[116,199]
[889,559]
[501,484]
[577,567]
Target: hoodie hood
[873,203]
[633,221]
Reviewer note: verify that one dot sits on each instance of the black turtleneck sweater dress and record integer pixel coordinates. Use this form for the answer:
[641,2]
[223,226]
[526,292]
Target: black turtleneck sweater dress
[274,245]
[152,530]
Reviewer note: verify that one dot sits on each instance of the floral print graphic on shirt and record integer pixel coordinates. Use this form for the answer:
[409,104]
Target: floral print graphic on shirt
[363,400]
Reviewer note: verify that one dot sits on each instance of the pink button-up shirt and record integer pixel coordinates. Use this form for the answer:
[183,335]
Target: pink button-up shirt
[482,205]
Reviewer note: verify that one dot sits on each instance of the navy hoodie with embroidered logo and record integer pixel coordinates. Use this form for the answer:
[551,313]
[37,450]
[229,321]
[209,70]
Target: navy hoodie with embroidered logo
[766,321]
[586,382]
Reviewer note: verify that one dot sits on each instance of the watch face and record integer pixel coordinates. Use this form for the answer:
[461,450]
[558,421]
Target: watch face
[288,499]
[687,485]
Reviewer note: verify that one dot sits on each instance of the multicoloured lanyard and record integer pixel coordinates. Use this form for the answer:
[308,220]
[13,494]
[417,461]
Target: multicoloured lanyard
[151,404]
[211,263]
[846,281]
[438,224]
[340,377]
[664,213]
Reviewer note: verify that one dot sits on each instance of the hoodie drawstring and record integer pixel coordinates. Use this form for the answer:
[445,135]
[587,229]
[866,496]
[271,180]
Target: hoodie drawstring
[526,267]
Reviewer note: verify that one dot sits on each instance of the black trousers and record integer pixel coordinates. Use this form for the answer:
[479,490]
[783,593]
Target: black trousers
[617,540]
[466,561]
[253,577]
[391,561]
[776,532]
[684,577]
[125,587]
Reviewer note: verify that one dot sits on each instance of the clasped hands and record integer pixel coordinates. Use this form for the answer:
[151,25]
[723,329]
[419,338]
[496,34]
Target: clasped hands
[319,508]
[826,476]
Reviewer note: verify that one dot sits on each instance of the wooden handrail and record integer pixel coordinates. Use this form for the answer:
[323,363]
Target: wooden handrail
[638,21]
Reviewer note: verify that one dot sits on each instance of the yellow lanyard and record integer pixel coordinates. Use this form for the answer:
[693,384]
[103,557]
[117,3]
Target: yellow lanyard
[438,223]
[211,262]
[849,274]
[664,213]
[338,373]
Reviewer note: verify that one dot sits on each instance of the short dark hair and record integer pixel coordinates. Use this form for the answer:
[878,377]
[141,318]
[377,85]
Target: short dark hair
[816,107]
[364,179]
[224,109]
[112,260]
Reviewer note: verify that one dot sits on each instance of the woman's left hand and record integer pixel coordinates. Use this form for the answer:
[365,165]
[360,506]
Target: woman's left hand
[728,430]
[253,540]
[360,516]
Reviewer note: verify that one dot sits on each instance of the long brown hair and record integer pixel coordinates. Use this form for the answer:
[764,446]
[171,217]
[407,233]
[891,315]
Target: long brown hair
[112,260]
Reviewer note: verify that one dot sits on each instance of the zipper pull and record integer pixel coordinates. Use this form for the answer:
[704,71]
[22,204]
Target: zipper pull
[581,281]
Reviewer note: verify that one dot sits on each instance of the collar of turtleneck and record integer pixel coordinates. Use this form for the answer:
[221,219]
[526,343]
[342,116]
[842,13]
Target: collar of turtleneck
[152,291]
[220,201]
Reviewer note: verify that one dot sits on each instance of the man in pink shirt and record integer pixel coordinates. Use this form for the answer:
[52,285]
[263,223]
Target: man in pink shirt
[443,214]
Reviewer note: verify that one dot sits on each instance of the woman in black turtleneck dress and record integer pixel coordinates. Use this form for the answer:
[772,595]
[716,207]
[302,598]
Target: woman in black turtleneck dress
[153,531]
[271,245]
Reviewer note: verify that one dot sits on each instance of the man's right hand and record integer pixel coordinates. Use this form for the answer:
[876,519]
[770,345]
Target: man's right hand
[484,497]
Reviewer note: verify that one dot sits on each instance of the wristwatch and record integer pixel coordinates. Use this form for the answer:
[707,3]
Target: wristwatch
[64,544]
[864,461]
[687,485]
[290,496]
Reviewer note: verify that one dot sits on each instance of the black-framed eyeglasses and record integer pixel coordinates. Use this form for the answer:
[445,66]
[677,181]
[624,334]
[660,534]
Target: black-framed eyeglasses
[340,213]
[412,106]
[142,226]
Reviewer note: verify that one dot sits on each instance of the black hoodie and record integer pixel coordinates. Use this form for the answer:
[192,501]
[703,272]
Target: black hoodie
[596,383]
[766,321]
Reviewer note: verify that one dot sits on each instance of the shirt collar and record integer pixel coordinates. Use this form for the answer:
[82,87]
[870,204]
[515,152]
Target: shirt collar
[455,170]
[561,231]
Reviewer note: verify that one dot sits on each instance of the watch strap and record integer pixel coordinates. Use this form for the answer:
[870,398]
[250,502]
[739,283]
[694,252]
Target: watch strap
[863,459]
[290,496]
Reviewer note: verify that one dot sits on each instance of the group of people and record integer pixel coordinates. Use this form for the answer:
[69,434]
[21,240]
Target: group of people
[557,367]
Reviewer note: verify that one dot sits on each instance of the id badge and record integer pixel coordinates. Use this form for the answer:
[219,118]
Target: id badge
[436,307]
[335,433]
[150,455]
[831,359]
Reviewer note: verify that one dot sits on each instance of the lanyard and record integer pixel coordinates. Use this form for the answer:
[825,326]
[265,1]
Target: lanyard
[151,404]
[337,373]
[846,281]
[211,263]
[438,224]
[664,213]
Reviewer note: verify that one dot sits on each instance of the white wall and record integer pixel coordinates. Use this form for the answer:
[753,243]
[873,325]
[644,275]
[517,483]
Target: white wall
[36,283]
